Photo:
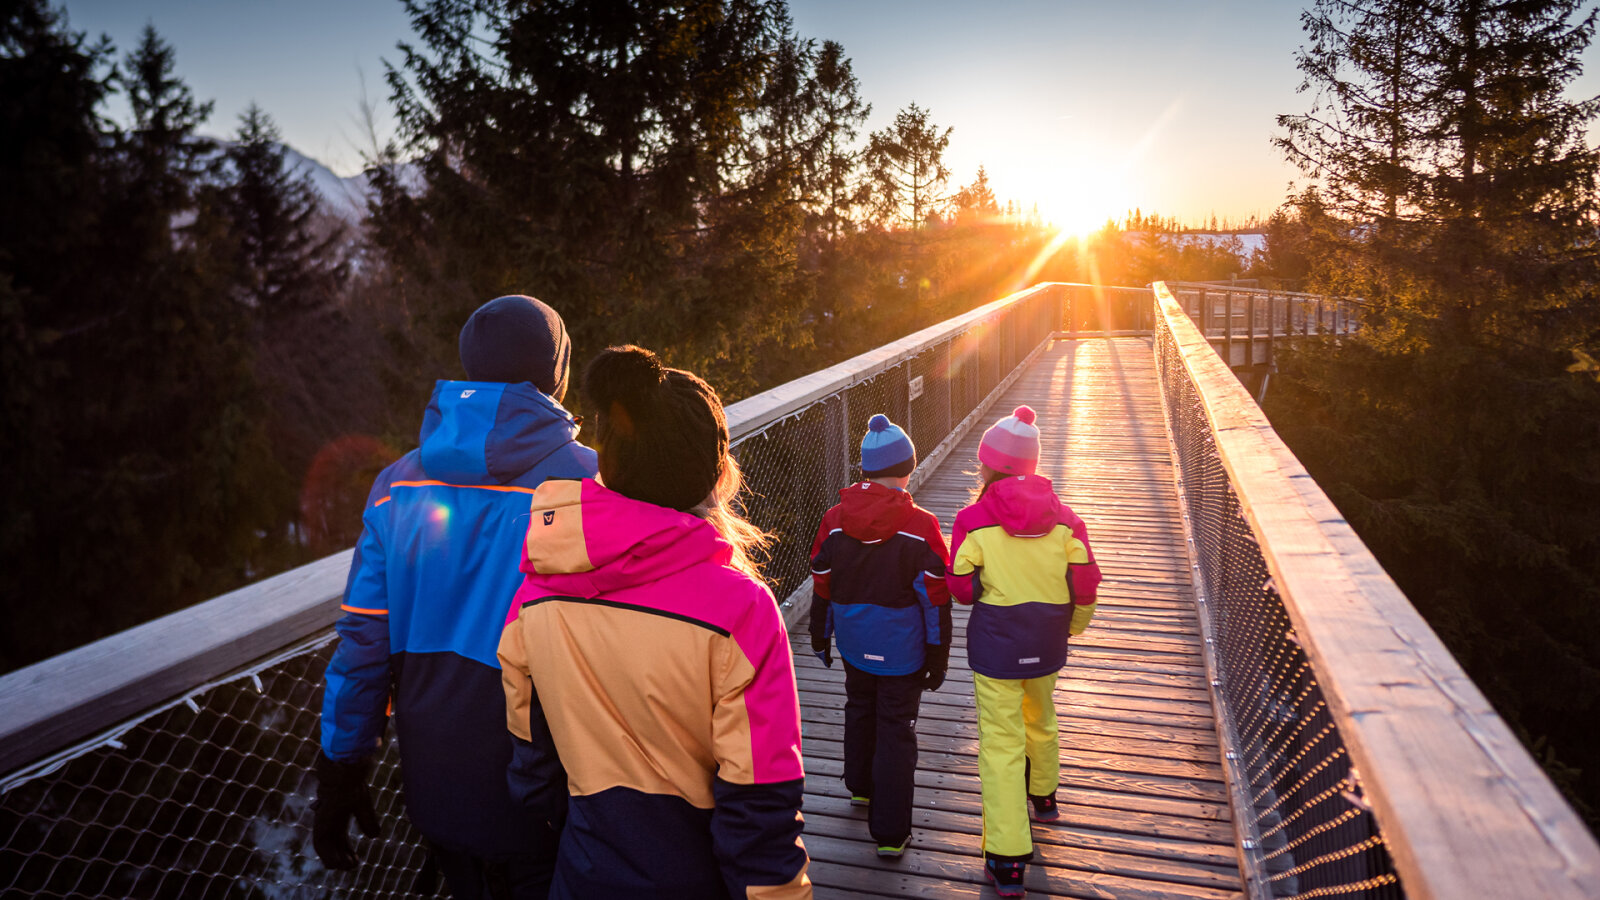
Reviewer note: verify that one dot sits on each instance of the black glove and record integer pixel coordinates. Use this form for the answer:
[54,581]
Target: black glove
[935,660]
[341,793]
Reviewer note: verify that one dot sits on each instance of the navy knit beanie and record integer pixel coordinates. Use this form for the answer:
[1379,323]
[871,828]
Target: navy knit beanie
[515,339]
[886,450]
[660,432]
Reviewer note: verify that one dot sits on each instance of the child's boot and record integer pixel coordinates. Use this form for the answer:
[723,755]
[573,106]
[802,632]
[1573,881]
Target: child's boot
[894,849]
[1006,877]
[1044,808]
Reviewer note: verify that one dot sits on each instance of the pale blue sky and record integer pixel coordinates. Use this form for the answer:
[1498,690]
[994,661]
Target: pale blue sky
[1086,107]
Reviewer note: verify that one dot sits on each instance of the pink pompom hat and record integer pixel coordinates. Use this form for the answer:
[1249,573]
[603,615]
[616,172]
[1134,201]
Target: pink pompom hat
[1011,445]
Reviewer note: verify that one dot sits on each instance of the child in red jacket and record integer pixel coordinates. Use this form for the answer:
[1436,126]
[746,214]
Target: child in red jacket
[878,567]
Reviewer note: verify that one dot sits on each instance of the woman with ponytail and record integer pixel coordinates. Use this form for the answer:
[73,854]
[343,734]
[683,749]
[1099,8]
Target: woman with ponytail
[649,688]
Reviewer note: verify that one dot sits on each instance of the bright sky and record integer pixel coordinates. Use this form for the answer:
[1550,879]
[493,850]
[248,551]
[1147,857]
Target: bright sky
[1086,107]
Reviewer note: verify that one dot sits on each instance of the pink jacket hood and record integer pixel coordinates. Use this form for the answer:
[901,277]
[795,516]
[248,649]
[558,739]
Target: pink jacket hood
[1025,506]
[585,539]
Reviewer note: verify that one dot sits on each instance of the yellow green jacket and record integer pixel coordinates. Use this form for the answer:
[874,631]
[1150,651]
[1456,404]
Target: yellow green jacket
[1022,558]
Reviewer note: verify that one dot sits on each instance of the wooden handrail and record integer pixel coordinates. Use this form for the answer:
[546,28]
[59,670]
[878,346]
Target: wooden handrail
[1464,809]
[69,697]
[756,412]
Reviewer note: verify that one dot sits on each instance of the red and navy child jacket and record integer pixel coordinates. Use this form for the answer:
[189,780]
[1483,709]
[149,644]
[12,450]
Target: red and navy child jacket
[878,580]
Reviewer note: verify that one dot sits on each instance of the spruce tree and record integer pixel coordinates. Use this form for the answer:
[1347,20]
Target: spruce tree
[52,81]
[1514,181]
[143,456]
[906,161]
[906,166]
[597,154]
[289,259]
[976,201]
[840,112]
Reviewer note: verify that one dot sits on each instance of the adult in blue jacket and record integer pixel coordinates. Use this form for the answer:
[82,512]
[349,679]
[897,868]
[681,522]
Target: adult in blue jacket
[433,576]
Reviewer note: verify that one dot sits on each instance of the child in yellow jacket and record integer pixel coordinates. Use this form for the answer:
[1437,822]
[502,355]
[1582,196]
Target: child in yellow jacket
[1022,559]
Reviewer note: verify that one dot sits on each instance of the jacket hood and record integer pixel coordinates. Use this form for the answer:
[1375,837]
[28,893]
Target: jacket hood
[585,539]
[478,432]
[871,512]
[1024,505]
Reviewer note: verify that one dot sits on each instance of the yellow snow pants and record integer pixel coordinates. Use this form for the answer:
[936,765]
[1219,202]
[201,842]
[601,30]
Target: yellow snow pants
[1017,741]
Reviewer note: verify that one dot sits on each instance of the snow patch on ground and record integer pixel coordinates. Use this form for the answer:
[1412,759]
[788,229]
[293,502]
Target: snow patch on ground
[1251,242]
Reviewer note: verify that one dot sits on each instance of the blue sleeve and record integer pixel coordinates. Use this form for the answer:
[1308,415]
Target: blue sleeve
[935,606]
[355,697]
[755,829]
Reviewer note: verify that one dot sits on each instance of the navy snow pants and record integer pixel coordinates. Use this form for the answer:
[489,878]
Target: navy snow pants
[880,747]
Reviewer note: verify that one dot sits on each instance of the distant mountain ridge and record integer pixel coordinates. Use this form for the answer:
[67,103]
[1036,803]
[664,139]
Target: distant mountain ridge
[346,197]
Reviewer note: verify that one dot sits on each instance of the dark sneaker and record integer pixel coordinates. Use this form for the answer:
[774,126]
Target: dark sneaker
[894,851]
[1006,877]
[858,800]
[1044,808]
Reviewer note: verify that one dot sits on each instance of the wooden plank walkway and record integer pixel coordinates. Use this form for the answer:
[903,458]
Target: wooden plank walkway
[1144,807]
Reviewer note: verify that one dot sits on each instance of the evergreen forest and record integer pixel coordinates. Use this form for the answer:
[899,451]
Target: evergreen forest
[202,369]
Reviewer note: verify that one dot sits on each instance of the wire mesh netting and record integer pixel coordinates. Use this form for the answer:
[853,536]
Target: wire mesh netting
[210,795]
[1317,836]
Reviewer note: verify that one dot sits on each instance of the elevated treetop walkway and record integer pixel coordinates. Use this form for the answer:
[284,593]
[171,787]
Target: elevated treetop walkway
[1256,709]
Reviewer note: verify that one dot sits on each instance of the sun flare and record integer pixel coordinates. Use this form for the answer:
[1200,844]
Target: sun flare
[1081,198]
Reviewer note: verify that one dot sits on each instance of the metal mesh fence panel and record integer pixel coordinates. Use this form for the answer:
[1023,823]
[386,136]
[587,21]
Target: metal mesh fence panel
[1317,836]
[210,795]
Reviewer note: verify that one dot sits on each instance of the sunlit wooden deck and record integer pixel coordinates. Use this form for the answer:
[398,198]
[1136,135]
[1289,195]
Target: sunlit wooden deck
[1144,807]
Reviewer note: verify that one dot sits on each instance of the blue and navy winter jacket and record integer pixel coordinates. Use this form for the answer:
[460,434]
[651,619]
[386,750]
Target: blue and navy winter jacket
[437,565]
[878,580]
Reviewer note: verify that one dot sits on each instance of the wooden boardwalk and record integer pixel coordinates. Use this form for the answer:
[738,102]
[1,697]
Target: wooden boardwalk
[1144,808]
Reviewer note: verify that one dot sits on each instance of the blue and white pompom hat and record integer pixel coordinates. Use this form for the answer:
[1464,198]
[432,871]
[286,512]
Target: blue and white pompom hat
[1011,445]
[886,450]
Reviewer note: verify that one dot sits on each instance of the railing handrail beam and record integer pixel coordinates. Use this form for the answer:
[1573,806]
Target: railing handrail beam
[1465,810]
[756,412]
[1176,286]
[54,703]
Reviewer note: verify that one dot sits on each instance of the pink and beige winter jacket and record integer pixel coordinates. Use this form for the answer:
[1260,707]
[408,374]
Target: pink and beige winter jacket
[651,697]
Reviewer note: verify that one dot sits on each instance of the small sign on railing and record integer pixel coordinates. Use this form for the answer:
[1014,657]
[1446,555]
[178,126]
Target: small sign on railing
[916,387]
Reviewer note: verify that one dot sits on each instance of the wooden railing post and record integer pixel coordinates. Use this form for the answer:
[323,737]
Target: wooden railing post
[1250,326]
[1227,328]
[1272,324]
